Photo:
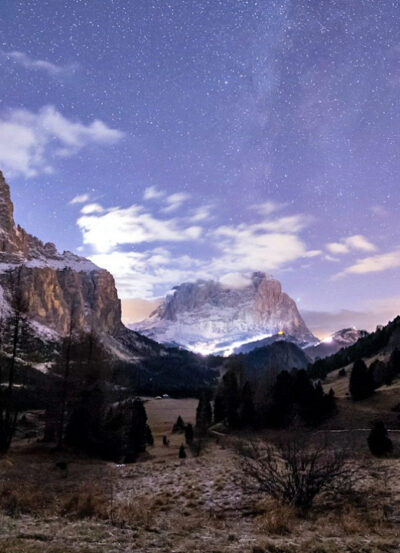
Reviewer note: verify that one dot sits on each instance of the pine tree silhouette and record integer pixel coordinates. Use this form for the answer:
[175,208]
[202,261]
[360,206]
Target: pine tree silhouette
[361,383]
[378,440]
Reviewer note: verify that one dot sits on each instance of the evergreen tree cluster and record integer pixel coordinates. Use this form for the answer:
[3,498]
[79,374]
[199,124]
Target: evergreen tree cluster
[118,433]
[233,404]
[292,395]
[365,380]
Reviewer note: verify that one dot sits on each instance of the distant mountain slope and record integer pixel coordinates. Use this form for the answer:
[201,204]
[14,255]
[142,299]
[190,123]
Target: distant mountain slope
[338,340]
[274,358]
[383,341]
[250,346]
[208,317]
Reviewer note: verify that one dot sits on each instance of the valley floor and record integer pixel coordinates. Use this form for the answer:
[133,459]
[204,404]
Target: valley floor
[164,504]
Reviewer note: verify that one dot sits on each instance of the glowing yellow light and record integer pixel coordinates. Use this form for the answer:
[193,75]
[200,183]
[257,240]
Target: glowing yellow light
[281,333]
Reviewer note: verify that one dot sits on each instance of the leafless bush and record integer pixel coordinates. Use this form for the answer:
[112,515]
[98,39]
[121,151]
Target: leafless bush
[295,471]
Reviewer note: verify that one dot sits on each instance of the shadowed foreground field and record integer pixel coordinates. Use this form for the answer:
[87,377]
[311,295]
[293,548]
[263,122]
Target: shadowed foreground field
[164,504]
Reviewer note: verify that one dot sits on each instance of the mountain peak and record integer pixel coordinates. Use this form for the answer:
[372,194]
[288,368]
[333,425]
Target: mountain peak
[258,277]
[207,316]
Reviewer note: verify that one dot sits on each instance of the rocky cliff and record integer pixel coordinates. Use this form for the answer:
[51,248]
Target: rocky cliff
[206,316]
[52,287]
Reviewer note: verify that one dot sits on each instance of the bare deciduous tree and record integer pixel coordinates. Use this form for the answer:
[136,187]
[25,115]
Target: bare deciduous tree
[295,471]
[8,404]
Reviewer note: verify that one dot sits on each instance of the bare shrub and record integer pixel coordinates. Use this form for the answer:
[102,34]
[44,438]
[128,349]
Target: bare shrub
[294,471]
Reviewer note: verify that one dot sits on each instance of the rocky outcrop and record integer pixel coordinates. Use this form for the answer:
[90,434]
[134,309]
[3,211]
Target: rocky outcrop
[208,317]
[52,287]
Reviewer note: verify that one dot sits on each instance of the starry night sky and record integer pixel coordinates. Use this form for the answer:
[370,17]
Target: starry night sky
[183,139]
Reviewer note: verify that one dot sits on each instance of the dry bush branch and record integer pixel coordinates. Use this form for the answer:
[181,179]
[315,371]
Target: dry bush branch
[295,471]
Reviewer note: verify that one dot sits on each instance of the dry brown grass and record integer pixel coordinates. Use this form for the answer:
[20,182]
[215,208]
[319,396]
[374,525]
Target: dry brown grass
[21,498]
[92,501]
[139,511]
[277,518]
[164,505]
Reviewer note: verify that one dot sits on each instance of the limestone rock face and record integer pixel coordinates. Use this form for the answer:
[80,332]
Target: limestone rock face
[207,316]
[53,287]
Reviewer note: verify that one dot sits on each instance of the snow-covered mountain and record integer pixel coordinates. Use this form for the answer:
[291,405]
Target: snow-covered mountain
[208,317]
[332,344]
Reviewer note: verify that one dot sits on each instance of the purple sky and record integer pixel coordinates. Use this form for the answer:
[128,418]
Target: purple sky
[171,140]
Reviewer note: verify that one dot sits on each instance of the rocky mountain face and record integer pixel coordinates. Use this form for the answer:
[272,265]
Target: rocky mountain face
[208,317]
[334,343]
[52,287]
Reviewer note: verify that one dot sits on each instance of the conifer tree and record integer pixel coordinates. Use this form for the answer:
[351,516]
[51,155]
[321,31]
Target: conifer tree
[84,428]
[280,412]
[378,440]
[247,410]
[232,398]
[136,442]
[189,434]
[203,414]
[219,406]
[8,403]
[394,364]
[361,383]
[149,436]
[179,425]
[182,452]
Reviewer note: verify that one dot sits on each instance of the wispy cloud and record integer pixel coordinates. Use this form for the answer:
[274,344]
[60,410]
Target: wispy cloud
[175,201]
[80,199]
[153,193]
[29,141]
[32,64]
[137,274]
[201,213]
[132,225]
[92,208]
[354,242]
[267,208]
[260,246]
[373,264]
